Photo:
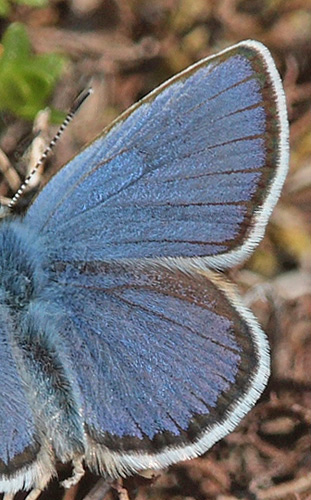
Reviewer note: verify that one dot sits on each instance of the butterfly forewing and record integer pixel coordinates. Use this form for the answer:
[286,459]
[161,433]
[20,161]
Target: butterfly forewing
[193,170]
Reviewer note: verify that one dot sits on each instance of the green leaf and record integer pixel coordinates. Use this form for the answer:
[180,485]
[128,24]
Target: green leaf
[16,45]
[5,5]
[33,3]
[26,80]
[57,116]
[4,8]
[52,65]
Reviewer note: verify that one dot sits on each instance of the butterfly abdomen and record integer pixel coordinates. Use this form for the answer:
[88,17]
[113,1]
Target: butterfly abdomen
[34,337]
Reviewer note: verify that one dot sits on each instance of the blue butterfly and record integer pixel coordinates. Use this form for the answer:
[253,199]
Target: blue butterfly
[122,345]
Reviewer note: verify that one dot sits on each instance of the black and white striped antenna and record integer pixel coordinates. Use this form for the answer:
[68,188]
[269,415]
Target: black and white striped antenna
[78,102]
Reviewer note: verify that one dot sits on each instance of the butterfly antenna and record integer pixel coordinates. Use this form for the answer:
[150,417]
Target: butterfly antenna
[76,105]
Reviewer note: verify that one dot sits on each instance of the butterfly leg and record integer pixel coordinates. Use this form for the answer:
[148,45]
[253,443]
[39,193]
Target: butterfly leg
[122,492]
[149,474]
[34,494]
[77,473]
[99,491]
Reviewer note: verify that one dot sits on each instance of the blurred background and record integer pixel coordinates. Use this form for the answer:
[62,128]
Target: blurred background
[49,52]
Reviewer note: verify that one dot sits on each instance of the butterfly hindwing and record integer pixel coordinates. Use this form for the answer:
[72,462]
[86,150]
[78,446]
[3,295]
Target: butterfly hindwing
[25,460]
[158,355]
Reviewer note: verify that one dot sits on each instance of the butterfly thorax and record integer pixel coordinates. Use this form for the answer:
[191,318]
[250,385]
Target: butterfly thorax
[21,274]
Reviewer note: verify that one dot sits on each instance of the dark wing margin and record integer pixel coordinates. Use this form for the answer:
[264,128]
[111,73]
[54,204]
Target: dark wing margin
[167,363]
[190,173]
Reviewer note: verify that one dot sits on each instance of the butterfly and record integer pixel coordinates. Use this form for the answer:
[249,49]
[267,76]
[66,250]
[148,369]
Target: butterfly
[124,346]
